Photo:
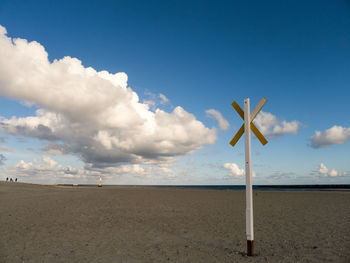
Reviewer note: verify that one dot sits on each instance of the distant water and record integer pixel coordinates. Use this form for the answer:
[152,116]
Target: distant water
[265,187]
[337,187]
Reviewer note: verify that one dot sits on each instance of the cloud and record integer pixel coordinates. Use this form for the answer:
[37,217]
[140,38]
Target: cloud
[135,170]
[48,170]
[2,159]
[94,113]
[28,168]
[5,148]
[150,102]
[279,175]
[333,135]
[235,171]
[56,149]
[30,149]
[323,170]
[223,124]
[18,139]
[163,99]
[154,100]
[270,126]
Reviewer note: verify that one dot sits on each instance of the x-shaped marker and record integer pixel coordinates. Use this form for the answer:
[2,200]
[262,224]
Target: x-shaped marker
[252,126]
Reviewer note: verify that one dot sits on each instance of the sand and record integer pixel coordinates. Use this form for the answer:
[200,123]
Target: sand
[128,224]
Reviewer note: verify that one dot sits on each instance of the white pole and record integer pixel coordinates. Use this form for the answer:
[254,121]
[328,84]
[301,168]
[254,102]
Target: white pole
[248,177]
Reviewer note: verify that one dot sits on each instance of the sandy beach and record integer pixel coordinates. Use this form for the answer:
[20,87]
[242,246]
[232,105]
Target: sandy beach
[131,224]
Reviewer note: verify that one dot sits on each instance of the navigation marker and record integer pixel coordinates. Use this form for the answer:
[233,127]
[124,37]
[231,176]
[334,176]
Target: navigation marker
[245,128]
[100,182]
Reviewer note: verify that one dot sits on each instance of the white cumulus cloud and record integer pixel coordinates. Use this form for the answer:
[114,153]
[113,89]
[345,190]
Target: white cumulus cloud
[94,113]
[323,170]
[48,170]
[333,135]
[269,125]
[223,124]
[235,171]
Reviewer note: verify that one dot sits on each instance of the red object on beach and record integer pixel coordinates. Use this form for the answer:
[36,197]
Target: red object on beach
[100,182]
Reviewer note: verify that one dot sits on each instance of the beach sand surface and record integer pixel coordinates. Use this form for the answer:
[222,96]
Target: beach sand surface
[134,224]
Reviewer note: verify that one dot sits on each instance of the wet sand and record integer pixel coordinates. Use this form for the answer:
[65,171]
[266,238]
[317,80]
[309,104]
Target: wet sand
[126,224]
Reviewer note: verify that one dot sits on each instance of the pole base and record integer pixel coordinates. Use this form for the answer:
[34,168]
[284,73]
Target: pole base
[250,248]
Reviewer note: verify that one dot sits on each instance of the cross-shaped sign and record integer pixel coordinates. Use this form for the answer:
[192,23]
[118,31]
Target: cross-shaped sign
[252,126]
[245,128]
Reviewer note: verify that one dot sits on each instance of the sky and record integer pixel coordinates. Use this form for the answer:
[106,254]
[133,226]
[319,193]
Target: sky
[140,92]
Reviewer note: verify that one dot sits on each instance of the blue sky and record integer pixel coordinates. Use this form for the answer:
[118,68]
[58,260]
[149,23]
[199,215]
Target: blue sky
[199,55]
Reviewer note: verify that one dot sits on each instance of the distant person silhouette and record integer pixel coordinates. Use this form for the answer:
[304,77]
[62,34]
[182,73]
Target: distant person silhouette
[11,180]
[7,179]
[16,180]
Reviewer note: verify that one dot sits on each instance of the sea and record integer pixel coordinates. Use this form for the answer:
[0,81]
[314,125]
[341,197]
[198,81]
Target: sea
[323,187]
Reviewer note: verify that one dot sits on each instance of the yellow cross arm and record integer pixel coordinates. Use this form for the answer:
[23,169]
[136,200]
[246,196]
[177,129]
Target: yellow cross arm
[240,132]
[258,134]
[237,136]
